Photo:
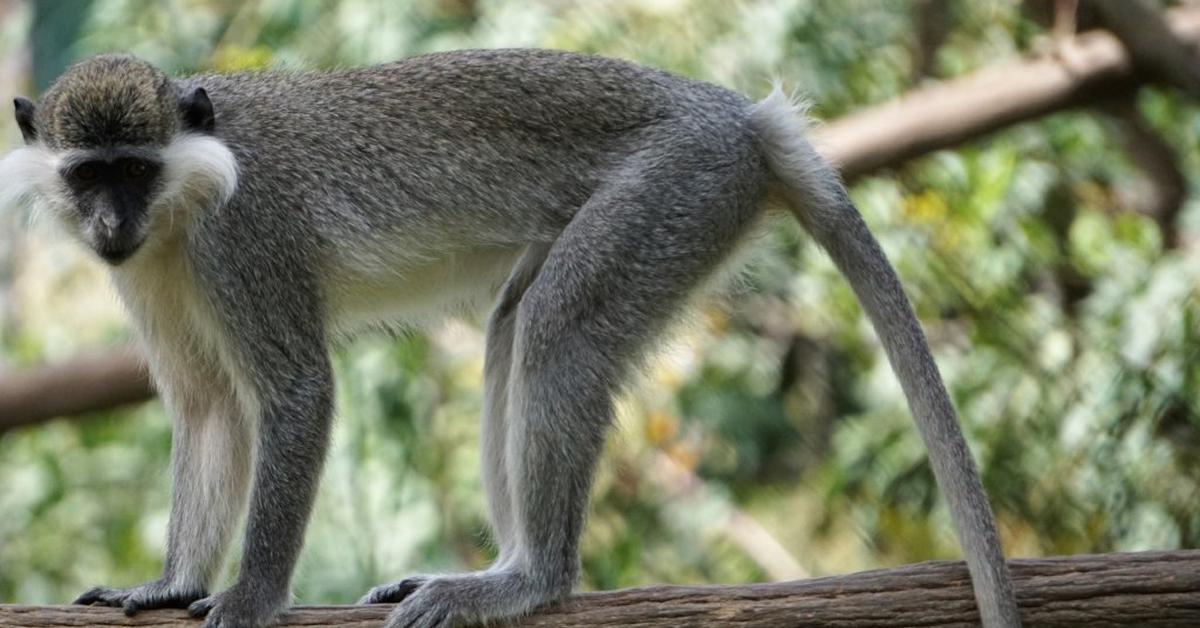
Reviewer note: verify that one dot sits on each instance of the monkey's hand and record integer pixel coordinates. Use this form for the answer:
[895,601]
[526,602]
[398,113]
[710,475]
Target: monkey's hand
[244,605]
[489,596]
[158,594]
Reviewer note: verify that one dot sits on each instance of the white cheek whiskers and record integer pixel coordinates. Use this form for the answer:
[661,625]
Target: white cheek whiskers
[30,176]
[199,174]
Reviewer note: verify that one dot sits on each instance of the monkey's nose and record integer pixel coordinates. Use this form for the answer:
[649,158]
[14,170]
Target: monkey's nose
[114,237]
[109,222]
[108,226]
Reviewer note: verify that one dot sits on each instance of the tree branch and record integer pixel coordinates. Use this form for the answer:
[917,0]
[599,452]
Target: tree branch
[85,384]
[951,113]
[1152,589]
[923,121]
[1154,45]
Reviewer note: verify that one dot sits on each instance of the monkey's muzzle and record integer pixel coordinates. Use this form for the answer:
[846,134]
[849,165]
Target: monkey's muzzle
[116,241]
[116,254]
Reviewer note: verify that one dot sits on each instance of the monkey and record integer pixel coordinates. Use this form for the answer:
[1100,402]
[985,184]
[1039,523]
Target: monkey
[251,221]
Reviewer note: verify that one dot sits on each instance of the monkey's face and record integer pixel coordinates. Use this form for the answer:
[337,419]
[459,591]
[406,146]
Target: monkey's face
[120,155]
[111,192]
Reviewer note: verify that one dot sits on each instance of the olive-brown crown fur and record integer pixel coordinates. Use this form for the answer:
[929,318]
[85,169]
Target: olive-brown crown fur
[109,100]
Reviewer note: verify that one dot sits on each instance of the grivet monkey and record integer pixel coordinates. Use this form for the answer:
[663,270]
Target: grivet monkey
[250,219]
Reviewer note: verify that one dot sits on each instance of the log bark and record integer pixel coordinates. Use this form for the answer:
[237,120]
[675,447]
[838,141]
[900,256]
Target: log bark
[1153,589]
[1098,69]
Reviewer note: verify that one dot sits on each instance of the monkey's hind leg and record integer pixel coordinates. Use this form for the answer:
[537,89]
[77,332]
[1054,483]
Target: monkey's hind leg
[494,429]
[497,369]
[211,451]
[494,423]
[612,280]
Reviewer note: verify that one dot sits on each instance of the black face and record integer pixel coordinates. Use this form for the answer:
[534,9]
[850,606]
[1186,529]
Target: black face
[113,188]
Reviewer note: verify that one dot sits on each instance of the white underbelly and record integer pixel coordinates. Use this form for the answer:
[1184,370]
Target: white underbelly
[373,291]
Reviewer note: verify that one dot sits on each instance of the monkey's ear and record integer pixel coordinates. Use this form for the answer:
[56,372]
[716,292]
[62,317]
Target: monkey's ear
[198,111]
[25,110]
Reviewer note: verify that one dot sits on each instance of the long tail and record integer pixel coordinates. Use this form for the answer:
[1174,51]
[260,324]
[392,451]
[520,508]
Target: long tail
[818,199]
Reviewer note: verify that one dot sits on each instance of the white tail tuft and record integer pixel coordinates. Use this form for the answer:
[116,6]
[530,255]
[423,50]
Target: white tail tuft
[811,186]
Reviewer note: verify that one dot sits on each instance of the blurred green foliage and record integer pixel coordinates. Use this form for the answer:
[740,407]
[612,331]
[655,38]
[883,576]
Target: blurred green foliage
[1066,330]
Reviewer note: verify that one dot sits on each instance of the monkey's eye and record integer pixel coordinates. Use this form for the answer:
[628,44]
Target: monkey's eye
[135,169]
[85,173]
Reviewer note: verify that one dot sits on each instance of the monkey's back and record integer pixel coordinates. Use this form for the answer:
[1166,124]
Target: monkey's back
[528,133]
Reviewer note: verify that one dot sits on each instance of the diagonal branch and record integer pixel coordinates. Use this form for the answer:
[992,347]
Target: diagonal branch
[951,113]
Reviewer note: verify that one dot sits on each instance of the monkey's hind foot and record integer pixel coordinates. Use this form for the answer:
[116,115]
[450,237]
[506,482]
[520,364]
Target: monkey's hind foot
[394,592]
[239,606]
[157,594]
[466,599]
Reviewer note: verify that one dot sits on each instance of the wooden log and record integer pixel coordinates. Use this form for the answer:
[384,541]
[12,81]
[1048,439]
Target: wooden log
[1152,589]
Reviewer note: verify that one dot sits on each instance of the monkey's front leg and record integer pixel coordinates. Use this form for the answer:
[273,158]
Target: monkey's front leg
[296,400]
[210,459]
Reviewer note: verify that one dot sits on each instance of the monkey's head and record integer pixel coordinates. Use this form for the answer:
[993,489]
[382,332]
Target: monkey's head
[114,145]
